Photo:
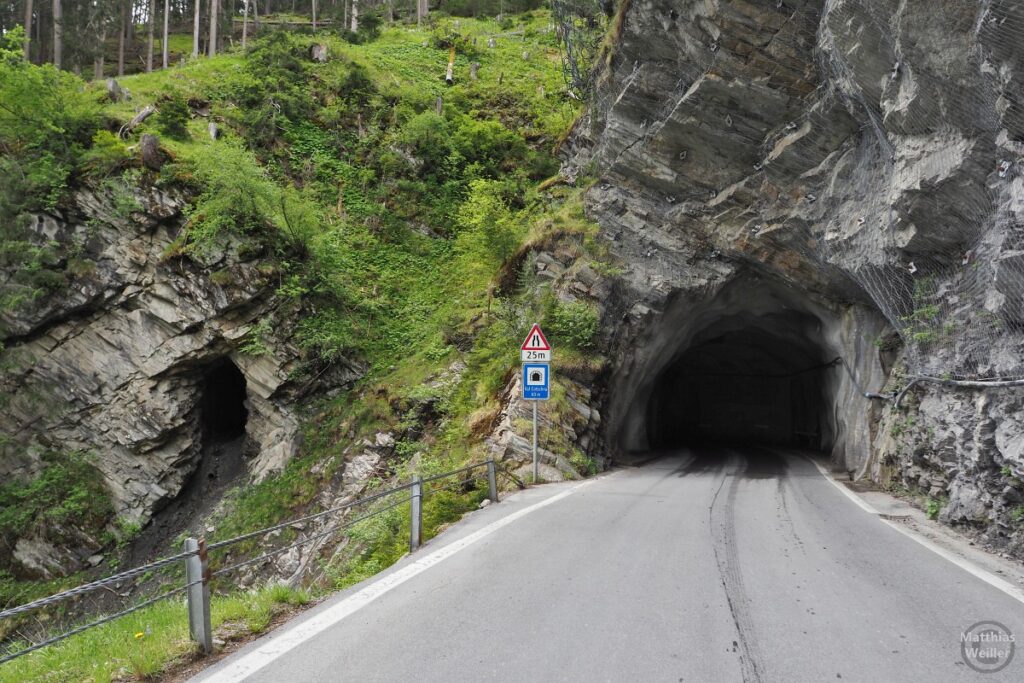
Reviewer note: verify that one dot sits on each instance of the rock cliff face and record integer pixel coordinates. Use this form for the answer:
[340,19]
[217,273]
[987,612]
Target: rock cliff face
[837,176]
[117,363]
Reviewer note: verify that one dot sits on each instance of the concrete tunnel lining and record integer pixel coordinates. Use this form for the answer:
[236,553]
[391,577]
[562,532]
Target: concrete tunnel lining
[787,331]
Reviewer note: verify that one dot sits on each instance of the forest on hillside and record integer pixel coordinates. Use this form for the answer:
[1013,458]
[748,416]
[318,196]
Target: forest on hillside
[114,37]
[391,217]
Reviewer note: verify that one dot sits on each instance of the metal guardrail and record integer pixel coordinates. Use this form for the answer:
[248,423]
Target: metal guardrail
[198,574]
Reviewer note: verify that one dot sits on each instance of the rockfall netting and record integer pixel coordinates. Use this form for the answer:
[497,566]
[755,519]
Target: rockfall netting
[887,145]
[580,26]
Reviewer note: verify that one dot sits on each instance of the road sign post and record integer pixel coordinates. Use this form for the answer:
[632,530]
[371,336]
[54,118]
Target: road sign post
[535,477]
[536,356]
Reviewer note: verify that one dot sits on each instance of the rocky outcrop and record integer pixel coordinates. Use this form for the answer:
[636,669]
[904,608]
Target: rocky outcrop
[115,362]
[852,161]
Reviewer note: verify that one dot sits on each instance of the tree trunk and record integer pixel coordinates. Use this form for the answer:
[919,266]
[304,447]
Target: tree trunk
[255,16]
[58,33]
[127,128]
[314,15]
[28,30]
[163,44]
[195,30]
[121,37]
[355,16]
[245,22]
[97,71]
[149,43]
[214,18]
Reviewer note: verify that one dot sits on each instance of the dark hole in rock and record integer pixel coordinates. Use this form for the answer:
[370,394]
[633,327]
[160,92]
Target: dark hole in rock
[221,464]
[223,404]
[759,362]
[744,379]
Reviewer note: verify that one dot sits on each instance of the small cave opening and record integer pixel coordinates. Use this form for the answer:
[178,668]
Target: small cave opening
[221,414]
[745,379]
[223,408]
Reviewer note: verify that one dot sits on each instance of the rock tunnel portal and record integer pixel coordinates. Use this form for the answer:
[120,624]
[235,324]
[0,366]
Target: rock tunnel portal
[757,362]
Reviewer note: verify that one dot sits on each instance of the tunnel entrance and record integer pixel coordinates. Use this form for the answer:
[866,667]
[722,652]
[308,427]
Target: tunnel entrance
[744,379]
[223,410]
[757,361]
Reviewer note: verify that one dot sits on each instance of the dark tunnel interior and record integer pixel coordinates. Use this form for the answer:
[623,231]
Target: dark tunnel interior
[223,404]
[746,379]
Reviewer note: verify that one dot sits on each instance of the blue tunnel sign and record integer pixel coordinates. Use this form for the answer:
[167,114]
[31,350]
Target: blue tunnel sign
[536,382]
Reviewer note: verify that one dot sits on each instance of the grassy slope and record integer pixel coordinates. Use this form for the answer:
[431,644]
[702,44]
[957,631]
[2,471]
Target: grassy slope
[413,294]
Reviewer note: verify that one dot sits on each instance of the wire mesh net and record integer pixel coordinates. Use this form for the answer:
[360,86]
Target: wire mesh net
[580,25]
[885,147]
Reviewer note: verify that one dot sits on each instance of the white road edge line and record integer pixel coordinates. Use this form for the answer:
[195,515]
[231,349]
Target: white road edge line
[983,574]
[968,566]
[279,644]
[861,503]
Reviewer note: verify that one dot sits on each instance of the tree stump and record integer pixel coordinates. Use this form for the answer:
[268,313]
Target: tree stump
[213,130]
[152,157]
[115,92]
[472,70]
[318,53]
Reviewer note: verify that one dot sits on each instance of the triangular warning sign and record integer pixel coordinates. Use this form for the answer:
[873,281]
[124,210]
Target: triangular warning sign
[536,341]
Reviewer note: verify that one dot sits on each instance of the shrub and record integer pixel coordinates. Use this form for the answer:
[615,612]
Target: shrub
[573,323]
[428,137]
[238,198]
[490,230]
[488,145]
[107,155]
[173,116]
[369,29]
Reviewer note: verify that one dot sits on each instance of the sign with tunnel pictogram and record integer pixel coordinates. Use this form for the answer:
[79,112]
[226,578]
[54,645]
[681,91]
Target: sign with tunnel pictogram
[535,348]
[536,382]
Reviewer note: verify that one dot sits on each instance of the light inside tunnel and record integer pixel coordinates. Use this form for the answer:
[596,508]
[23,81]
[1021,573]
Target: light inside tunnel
[223,404]
[745,378]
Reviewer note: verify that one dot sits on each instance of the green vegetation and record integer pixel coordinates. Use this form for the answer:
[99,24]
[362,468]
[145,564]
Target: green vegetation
[397,230]
[47,125]
[145,644]
[933,506]
[574,323]
[68,494]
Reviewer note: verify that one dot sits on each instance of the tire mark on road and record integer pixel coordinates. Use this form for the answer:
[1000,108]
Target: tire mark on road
[721,517]
[788,527]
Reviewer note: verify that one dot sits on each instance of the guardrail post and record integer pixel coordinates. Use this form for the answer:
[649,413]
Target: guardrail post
[416,517]
[197,576]
[492,481]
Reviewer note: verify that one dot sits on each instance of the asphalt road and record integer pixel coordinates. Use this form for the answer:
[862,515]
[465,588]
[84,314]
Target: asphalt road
[729,566]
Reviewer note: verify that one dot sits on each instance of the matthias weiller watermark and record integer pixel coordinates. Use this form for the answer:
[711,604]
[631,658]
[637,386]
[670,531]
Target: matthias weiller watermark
[987,647]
